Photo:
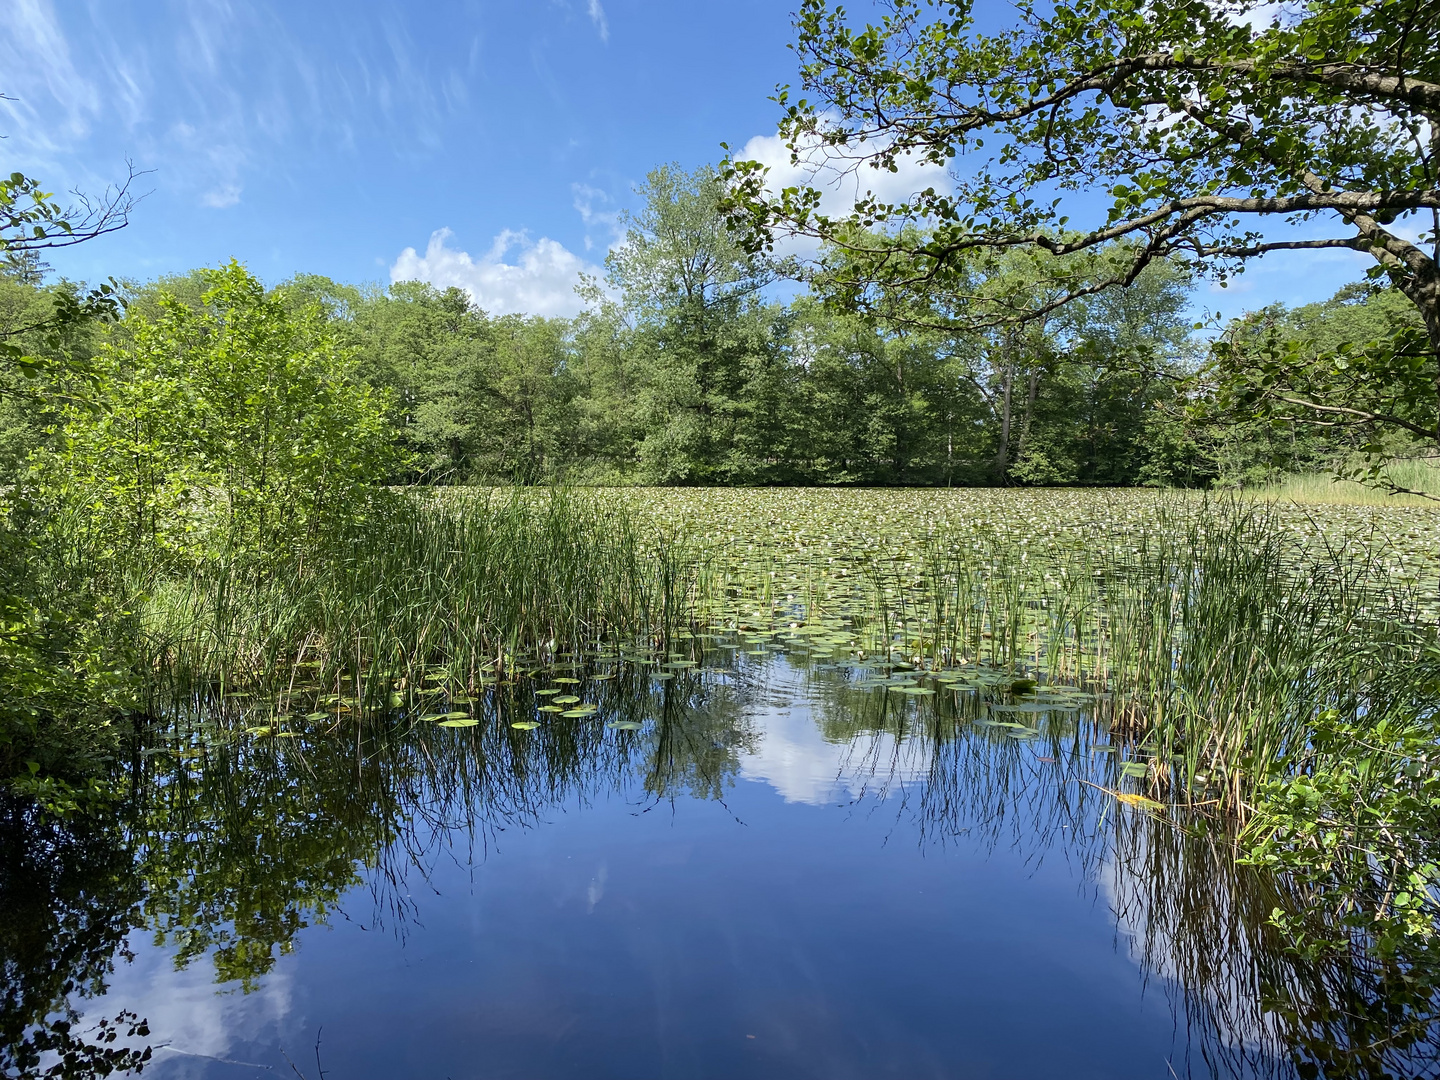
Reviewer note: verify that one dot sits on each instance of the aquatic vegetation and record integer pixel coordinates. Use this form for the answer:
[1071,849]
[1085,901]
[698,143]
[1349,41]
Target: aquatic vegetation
[1211,644]
[1223,627]
[429,596]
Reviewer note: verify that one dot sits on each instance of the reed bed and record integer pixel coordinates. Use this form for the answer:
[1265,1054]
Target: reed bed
[465,587]
[1218,630]
[1419,478]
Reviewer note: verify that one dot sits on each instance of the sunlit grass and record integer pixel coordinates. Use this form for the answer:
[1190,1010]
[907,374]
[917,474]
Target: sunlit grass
[1421,476]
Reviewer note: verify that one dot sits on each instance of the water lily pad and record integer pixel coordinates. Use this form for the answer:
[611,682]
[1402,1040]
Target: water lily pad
[469,722]
[566,699]
[917,691]
[551,708]
[525,725]
[547,691]
[624,725]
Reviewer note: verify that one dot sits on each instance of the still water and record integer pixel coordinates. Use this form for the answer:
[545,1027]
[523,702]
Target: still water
[750,868]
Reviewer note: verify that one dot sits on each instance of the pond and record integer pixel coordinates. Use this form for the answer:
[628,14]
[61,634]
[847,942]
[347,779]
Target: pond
[732,859]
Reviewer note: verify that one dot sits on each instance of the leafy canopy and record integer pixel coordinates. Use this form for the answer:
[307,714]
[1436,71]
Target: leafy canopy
[1193,121]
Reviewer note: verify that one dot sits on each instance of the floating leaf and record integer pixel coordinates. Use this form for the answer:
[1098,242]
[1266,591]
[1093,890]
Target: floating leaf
[1138,800]
[470,722]
[624,725]
[566,699]
[525,725]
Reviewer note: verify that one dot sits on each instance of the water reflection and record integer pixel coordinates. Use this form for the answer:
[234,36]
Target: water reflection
[931,888]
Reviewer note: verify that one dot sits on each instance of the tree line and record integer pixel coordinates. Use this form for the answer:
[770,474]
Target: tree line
[687,368]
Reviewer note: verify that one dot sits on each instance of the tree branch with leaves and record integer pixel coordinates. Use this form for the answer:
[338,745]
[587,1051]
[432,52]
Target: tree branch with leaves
[1188,130]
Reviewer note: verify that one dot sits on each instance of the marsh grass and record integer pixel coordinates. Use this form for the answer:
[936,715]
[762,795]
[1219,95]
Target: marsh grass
[450,591]
[1416,475]
[1220,629]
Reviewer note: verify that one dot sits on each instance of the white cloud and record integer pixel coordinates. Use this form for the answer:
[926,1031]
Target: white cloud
[541,280]
[840,179]
[597,16]
[221,197]
[796,759]
[190,1014]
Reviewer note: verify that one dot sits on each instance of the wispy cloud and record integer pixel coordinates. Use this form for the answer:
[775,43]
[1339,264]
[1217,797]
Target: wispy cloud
[214,97]
[597,16]
[598,212]
[540,281]
[222,197]
[52,104]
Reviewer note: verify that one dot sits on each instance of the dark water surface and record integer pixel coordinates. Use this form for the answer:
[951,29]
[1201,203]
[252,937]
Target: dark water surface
[773,875]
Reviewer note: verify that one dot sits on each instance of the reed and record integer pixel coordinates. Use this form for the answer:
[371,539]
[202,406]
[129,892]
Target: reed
[465,588]
[1220,631]
[1418,476]
[1221,634]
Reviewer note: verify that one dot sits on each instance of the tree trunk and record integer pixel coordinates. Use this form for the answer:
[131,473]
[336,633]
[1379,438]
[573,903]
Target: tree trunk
[1032,392]
[1002,456]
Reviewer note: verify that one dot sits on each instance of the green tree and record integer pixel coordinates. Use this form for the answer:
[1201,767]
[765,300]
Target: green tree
[239,424]
[1198,123]
[689,296]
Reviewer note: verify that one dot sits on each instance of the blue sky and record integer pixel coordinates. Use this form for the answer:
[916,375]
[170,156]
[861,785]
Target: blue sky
[485,143]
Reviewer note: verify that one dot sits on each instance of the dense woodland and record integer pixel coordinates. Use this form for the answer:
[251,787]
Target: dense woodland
[687,369]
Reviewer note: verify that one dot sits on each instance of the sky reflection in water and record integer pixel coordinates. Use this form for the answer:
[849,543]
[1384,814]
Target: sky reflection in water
[865,893]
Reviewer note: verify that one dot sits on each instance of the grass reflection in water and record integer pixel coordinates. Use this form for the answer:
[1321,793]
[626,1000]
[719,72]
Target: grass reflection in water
[233,845]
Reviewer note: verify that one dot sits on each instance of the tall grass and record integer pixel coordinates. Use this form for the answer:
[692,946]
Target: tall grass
[470,586]
[1221,636]
[1417,475]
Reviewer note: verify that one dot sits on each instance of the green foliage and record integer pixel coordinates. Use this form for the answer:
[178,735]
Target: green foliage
[1344,383]
[1196,122]
[235,424]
